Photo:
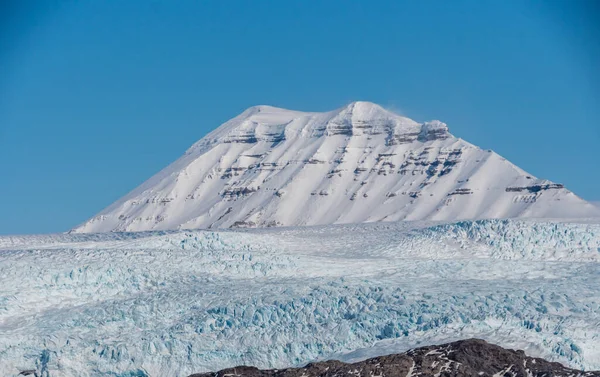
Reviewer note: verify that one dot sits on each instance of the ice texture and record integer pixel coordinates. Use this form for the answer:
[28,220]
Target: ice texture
[175,303]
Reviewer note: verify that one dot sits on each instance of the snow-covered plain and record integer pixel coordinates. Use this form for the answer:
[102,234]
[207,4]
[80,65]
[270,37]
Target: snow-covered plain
[172,303]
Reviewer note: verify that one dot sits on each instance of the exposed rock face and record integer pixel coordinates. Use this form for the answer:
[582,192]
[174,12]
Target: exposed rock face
[466,358]
[360,163]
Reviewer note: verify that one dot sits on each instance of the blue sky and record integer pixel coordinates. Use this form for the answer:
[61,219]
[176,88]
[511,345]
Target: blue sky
[96,96]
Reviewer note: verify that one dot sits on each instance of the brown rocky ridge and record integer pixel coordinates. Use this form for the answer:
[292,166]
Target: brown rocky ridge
[465,358]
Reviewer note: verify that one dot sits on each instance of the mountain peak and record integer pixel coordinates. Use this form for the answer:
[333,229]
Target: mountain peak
[268,109]
[364,106]
[366,109]
[363,109]
[361,163]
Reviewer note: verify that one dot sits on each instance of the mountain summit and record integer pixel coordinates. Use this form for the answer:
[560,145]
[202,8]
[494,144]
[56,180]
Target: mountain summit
[361,163]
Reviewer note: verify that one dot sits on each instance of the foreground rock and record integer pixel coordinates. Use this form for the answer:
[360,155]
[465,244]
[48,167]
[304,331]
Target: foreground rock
[472,357]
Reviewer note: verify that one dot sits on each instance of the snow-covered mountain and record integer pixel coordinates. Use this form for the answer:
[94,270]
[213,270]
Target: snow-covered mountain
[276,167]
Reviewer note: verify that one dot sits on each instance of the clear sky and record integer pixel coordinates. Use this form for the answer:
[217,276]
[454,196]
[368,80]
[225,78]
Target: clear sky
[96,96]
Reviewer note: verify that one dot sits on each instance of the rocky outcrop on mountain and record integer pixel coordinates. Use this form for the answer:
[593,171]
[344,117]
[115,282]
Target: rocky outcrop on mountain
[536,188]
[466,358]
[360,163]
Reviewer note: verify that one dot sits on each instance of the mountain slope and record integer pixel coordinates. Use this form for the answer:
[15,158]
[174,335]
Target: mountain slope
[362,163]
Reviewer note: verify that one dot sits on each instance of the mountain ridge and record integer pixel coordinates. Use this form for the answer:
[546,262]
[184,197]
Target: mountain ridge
[470,357]
[360,163]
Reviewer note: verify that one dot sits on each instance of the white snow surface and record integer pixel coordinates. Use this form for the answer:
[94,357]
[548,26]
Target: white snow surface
[276,167]
[170,303]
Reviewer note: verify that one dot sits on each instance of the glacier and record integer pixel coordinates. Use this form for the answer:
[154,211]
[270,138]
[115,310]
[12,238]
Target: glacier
[172,303]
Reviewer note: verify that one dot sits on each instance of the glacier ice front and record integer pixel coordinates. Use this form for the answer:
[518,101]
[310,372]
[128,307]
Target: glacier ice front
[174,303]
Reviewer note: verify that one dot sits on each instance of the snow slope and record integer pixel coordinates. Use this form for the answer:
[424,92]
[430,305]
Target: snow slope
[175,303]
[362,163]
